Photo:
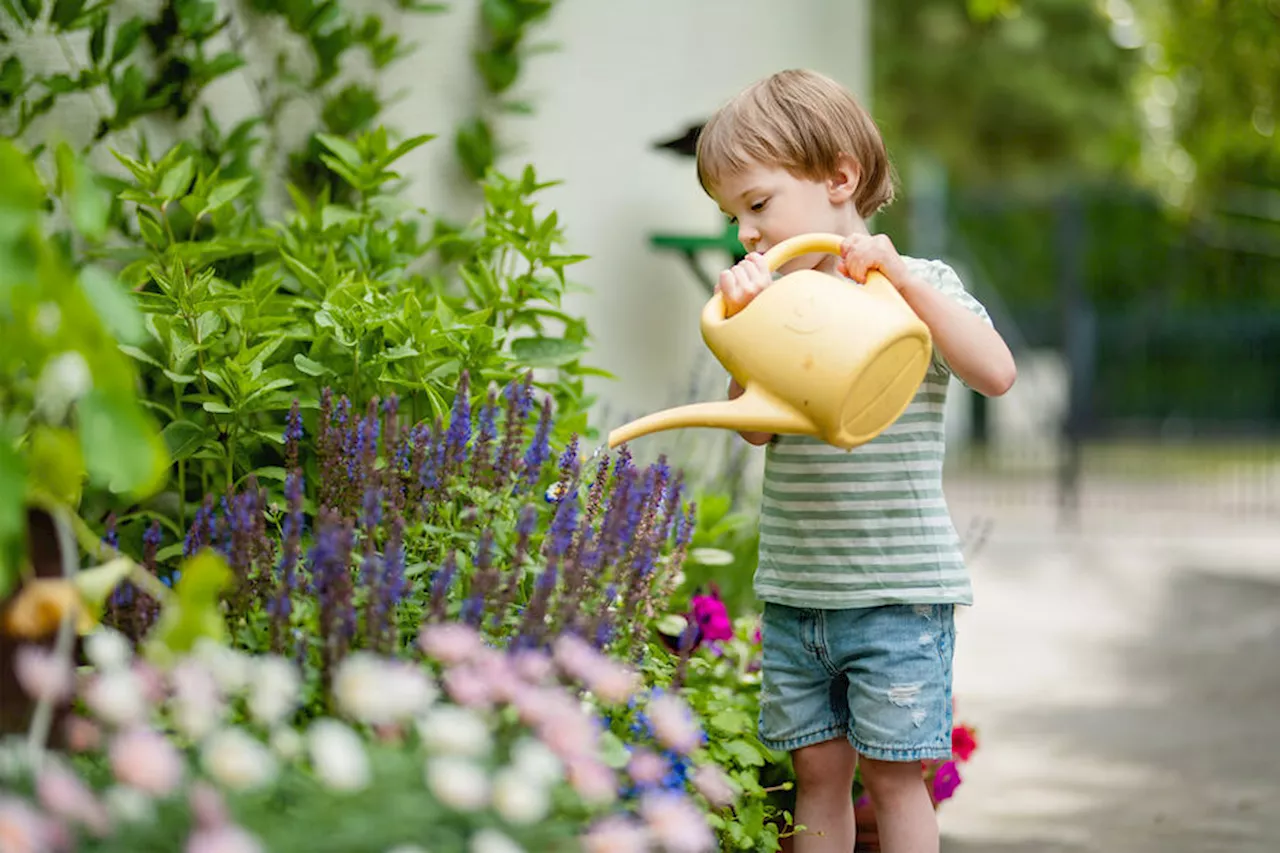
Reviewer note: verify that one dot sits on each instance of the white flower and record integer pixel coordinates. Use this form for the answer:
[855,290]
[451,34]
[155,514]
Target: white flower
[338,756]
[535,760]
[451,730]
[287,743]
[237,760]
[197,706]
[42,674]
[518,799]
[129,805]
[492,841]
[273,689]
[108,650]
[117,698]
[65,379]
[378,691]
[230,668]
[459,783]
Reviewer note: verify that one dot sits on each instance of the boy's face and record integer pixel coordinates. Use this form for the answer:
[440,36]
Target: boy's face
[770,205]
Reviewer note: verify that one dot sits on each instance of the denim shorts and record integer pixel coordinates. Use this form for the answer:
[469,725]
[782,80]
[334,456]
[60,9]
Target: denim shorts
[880,676]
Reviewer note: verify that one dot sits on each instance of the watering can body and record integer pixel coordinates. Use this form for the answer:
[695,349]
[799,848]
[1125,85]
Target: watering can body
[816,354]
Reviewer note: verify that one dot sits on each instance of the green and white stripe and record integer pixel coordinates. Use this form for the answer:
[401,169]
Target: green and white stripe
[870,526]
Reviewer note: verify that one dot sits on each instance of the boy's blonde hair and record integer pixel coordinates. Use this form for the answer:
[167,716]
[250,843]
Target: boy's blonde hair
[801,121]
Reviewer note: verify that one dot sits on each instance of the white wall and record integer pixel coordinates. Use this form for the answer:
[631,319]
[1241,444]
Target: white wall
[628,75]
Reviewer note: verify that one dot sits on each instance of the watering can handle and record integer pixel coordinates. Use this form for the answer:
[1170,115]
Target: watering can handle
[802,244]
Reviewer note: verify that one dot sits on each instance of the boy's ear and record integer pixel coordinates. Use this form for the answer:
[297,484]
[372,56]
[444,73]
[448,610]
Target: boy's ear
[843,183]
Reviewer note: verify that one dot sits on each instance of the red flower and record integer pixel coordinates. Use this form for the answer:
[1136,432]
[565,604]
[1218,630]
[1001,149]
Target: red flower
[963,742]
[712,618]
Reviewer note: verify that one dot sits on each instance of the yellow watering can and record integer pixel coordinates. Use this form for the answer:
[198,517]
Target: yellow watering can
[818,355]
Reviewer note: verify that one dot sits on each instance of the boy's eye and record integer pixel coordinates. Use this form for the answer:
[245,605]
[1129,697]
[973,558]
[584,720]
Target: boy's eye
[733,220]
[759,206]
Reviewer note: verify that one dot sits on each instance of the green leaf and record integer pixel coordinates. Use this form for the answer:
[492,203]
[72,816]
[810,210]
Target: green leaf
[65,13]
[743,752]
[226,192]
[309,367]
[113,304]
[135,353]
[127,37]
[177,179]
[13,490]
[89,203]
[98,41]
[336,214]
[542,351]
[56,463]
[345,151]
[731,721]
[216,408]
[183,438]
[270,472]
[122,449]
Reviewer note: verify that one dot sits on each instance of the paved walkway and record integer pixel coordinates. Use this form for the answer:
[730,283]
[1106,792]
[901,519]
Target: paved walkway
[1125,680]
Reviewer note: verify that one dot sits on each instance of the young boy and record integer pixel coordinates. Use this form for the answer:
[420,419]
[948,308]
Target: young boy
[860,566]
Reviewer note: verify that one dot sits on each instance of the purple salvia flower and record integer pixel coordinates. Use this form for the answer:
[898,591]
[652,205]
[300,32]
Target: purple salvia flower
[486,432]
[372,510]
[280,608]
[440,585]
[483,580]
[292,436]
[150,545]
[391,588]
[110,536]
[459,434]
[569,462]
[330,560]
[430,468]
[539,448]
[519,400]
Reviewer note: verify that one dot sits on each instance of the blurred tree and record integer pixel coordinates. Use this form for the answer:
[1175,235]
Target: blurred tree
[1211,92]
[1028,91]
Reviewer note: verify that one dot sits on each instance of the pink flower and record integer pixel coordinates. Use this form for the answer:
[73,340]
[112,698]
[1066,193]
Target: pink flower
[646,767]
[616,834]
[64,795]
[82,734]
[533,666]
[23,829]
[607,679]
[676,823]
[207,805]
[963,742]
[714,785]
[466,686]
[594,782]
[224,839]
[712,619]
[946,781]
[673,723]
[451,643]
[144,759]
[42,674]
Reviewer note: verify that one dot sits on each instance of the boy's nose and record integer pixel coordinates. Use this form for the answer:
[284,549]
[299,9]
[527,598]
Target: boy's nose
[748,236]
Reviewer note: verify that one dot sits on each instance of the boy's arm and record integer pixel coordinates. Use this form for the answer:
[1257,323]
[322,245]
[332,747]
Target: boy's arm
[756,438]
[971,347]
[974,350]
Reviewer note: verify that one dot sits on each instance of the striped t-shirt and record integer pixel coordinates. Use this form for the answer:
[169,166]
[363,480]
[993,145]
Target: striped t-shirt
[868,526]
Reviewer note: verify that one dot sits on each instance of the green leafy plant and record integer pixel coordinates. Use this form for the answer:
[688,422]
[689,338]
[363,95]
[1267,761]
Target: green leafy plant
[68,410]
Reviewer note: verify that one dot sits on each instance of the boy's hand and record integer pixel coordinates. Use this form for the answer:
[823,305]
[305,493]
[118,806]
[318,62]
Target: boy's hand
[743,282]
[862,253]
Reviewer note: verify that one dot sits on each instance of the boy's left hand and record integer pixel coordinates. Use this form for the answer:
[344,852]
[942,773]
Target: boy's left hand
[862,253]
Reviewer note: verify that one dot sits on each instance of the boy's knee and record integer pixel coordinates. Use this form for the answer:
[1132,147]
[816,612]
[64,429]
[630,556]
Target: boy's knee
[887,779]
[827,764]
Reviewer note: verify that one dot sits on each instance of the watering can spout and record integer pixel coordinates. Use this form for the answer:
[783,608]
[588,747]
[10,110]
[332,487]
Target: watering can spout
[755,411]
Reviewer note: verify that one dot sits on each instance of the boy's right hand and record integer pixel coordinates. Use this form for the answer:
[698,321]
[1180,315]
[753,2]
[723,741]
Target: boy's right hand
[743,282]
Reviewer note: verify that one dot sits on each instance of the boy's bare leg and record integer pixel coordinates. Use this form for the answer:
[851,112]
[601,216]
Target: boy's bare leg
[824,801]
[905,817]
